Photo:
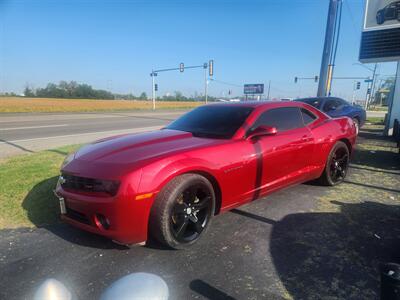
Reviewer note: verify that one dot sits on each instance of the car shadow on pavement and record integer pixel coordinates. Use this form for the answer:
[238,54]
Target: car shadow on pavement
[209,292]
[336,255]
[382,159]
[43,211]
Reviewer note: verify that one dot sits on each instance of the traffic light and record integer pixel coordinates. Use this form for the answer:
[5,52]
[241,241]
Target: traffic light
[211,68]
[369,91]
[181,67]
[156,87]
[295,80]
[316,78]
[358,86]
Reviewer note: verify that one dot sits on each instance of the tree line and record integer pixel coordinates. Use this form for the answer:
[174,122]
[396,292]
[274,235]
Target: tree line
[74,90]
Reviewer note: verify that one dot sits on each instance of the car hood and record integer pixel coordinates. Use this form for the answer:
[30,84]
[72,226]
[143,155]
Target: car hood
[139,148]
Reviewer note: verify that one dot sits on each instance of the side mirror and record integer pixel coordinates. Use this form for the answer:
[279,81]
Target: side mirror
[262,131]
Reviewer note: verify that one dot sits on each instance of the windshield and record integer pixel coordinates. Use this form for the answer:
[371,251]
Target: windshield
[213,121]
[311,101]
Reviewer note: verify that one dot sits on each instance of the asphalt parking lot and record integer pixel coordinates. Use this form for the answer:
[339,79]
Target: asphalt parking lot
[305,242]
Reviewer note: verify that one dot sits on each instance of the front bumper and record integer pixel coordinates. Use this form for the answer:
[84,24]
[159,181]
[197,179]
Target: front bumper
[120,218]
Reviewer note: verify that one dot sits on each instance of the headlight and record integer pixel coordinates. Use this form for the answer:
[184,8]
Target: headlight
[108,186]
[67,160]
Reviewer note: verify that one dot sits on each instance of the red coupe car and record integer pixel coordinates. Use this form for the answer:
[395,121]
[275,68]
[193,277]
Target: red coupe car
[169,184]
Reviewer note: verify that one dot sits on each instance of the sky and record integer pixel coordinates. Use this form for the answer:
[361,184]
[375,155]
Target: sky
[114,45]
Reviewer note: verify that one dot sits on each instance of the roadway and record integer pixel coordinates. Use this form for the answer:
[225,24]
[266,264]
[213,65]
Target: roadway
[30,132]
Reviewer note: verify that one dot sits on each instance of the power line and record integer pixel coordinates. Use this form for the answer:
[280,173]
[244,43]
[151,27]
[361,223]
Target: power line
[226,83]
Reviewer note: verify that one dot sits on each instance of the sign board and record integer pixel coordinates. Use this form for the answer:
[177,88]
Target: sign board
[252,89]
[381,32]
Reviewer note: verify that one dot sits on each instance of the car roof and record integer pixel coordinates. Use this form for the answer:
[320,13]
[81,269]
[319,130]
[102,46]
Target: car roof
[318,98]
[256,104]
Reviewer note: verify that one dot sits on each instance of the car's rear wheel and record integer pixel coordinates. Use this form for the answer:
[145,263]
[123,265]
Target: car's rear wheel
[356,124]
[336,166]
[182,211]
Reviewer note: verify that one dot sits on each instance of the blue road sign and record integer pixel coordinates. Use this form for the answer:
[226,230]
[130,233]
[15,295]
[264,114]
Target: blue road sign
[257,88]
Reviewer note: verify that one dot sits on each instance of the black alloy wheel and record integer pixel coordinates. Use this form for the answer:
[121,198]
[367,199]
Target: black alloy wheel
[338,165]
[182,211]
[191,213]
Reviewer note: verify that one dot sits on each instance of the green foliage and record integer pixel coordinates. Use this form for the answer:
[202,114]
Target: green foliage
[69,90]
[28,92]
[143,96]
[26,190]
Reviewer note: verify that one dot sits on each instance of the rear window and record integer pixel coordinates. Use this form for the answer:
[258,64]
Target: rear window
[308,116]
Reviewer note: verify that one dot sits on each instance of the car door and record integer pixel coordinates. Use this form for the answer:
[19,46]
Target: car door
[283,157]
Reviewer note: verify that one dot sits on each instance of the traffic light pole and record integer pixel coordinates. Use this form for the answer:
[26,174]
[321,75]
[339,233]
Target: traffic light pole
[205,85]
[181,68]
[153,89]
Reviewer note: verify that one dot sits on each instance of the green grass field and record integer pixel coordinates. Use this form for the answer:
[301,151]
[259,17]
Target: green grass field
[26,189]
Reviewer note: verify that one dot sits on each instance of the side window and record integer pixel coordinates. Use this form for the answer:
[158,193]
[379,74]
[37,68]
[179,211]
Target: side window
[330,105]
[308,116]
[284,118]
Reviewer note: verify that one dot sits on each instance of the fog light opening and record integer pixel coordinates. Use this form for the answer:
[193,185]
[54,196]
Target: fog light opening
[102,222]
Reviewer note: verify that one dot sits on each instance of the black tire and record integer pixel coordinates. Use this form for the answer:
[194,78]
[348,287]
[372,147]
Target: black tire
[357,124]
[380,17]
[182,211]
[336,165]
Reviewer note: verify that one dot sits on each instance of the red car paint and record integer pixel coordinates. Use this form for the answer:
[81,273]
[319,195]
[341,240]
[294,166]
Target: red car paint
[144,163]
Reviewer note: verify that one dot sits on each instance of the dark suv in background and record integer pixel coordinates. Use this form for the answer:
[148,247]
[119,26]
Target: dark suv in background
[389,12]
[337,107]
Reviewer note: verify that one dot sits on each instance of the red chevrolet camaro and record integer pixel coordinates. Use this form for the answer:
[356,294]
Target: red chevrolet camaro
[168,184]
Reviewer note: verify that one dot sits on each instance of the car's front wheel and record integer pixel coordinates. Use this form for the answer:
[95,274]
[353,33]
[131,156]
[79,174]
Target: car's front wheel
[182,211]
[336,166]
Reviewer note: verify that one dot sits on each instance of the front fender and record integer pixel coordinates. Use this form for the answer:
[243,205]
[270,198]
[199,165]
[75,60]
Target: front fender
[157,175]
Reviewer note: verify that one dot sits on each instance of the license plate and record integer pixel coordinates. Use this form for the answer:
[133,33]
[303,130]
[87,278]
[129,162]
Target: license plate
[63,208]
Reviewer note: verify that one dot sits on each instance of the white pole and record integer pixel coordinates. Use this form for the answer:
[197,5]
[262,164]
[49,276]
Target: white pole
[153,90]
[205,85]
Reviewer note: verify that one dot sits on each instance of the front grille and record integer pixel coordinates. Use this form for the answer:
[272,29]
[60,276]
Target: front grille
[84,184]
[77,216]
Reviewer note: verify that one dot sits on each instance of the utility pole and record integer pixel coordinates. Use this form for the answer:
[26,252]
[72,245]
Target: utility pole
[153,89]
[205,83]
[325,75]
[269,88]
[372,95]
